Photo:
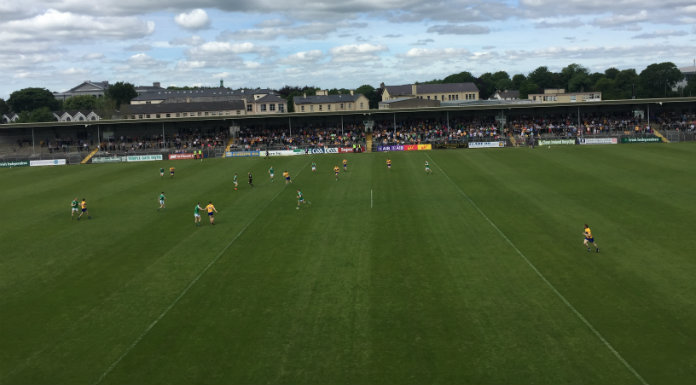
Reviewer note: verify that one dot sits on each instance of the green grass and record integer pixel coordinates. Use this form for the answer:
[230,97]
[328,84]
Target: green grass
[389,277]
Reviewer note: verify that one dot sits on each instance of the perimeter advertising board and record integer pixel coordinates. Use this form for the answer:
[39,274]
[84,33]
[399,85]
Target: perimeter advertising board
[486,144]
[143,158]
[553,142]
[598,141]
[48,162]
[14,163]
[182,156]
[649,139]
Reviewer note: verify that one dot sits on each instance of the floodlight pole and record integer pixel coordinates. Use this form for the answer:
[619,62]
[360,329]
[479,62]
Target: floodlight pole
[33,150]
[164,140]
[290,125]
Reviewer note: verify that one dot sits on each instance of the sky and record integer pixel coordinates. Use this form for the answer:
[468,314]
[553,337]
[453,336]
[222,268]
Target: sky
[58,44]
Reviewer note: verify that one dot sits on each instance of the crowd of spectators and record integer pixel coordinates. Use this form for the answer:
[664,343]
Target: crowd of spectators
[385,132]
[253,138]
[183,141]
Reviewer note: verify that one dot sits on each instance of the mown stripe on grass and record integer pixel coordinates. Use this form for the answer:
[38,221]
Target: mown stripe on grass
[544,279]
[187,288]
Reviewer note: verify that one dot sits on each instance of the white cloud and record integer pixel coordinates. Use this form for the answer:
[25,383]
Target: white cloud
[452,29]
[660,34]
[621,20]
[53,25]
[194,20]
[303,57]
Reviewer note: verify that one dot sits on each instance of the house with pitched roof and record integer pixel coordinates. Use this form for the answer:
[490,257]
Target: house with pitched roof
[87,87]
[553,95]
[446,92]
[76,116]
[323,102]
[184,110]
[256,101]
[9,117]
[505,95]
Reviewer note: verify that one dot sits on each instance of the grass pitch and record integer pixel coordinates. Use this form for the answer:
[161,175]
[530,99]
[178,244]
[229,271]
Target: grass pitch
[474,274]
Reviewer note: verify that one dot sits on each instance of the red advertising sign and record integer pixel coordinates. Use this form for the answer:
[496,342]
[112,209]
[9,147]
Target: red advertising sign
[345,150]
[181,156]
[411,147]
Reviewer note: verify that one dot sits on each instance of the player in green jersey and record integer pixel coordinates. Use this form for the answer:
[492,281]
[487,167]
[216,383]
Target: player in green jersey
[427,168]
[197,214]
[314,166]
[162,198]
[75,207]
[236,183]
[162,172]
[271,172]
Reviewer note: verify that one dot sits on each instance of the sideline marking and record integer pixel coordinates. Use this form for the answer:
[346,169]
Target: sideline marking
[543,278]
[370,198]
[187,288]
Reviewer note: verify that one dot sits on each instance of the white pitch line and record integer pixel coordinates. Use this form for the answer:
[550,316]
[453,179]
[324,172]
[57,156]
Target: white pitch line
[546,281]
[370,198]
[183,293]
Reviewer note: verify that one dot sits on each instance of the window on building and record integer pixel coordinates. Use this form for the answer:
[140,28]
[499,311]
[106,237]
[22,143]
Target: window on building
[158,116]
[185,113]
[263,108]
[272,106]
[328,107]
[302,108]
[281,107]
[311,108]
[206,113]
[320,107]
[361,105]
[140,116]
[178,114]
[249,107]
[147,116]
[239,112]
[132,116]
[342,107]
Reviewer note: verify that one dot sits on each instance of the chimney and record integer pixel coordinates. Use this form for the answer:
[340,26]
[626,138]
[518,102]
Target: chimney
[414,90]
[304,95]
[351,92]
[156,84]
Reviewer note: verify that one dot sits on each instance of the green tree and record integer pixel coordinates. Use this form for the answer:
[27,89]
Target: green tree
[81,103]
[486,85]
[4,108]
[543,78]
[573,77]
[121,93]
[611,73]
[690,89]
[657,80]
[608,89]
[42,114]
[626,83]
[30,99]
[462,77]
[371,95]
[289,92]
[528,87]
[517,81]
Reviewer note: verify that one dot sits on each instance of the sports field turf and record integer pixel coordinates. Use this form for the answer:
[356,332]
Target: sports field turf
[474,274]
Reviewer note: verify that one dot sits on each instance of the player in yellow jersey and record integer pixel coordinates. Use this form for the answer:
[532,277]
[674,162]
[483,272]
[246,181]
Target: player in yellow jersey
[211,212]
[345,165]
[83,207]
[171,172]
[336,171]
[389,164]
[589,239]
[286,175]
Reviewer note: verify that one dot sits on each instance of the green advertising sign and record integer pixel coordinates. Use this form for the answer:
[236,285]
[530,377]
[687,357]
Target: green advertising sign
[14,163]
[107,159]
[649,139]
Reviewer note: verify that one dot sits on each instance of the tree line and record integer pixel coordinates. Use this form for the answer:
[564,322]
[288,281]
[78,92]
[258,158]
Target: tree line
[655,81]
